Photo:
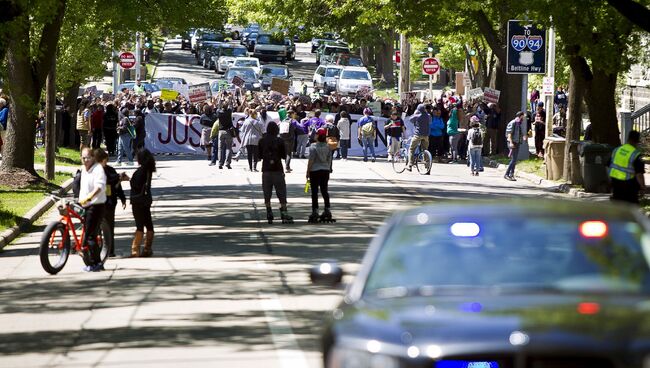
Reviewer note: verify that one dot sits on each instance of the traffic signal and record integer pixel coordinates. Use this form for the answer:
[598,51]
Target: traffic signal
[430,47]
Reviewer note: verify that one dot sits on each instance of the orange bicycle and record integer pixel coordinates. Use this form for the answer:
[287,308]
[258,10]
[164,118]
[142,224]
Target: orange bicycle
[55,242]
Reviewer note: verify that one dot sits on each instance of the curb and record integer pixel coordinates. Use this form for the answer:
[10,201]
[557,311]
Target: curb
[34,214]
[547,184]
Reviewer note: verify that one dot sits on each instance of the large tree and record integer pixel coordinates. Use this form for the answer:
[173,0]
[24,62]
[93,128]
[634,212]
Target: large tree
[636,12]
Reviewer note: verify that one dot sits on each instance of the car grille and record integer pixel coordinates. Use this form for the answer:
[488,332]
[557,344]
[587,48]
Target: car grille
[268,52]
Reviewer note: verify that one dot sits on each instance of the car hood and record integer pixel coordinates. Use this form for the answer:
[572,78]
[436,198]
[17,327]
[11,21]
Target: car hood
[230,59]
[356,81]
[268,79]
[485,324]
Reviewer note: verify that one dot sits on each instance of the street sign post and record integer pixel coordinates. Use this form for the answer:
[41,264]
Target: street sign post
[526,48]
[430,66]
[548,87]
[127,60]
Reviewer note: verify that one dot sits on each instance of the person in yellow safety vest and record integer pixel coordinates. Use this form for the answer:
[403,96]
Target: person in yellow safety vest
[626,171]
[138,88]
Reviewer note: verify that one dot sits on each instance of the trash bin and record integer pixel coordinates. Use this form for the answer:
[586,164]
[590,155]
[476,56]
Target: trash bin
[554,151]
[593,159]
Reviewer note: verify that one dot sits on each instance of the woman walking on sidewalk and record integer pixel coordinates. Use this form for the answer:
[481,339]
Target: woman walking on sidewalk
[271,149]
[454,137]
[141,201]
[251,132]
[318,173]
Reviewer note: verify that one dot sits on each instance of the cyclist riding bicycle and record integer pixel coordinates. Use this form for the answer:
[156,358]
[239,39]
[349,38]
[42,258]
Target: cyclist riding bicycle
[421,121]
[92,196]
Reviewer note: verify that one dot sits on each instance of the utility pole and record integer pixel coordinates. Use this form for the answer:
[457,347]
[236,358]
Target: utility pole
[50,117]
[404,65]
[115,71]
[550,74]
[137,55]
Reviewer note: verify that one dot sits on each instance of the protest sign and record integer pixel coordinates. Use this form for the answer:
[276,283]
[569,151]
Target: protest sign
[475,93]
[238,81]
[491,95]
[375,106]
[199,92]
[168,94]
[280,85]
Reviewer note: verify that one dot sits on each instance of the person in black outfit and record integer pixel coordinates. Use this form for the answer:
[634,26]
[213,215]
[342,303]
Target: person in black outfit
[271,150]
[113,192]
[141,201]
[111,119]
[140,133]
[227,133]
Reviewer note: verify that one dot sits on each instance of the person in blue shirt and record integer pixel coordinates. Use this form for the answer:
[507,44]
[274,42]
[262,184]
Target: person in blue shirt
[367,134]
[4,115]
[436,134]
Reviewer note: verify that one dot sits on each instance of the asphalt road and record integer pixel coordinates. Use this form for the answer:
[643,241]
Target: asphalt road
[224,288]
[182,63]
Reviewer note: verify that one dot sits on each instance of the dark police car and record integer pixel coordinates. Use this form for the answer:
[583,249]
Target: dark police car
[557,284]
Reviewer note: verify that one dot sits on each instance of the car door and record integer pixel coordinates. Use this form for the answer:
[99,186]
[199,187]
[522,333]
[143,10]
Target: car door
[319,75]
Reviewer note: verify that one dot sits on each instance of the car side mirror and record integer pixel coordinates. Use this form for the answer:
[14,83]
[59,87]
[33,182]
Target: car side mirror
[326,274]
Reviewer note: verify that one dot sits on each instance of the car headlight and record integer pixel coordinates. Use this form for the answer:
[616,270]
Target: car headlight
[350,358]
[256,85]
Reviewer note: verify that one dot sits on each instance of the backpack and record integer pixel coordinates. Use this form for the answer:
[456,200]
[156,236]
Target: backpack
[477,137]
[285,126]
[368,129]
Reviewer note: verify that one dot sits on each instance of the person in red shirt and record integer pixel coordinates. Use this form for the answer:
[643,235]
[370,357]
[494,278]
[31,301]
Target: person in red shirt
[96,127]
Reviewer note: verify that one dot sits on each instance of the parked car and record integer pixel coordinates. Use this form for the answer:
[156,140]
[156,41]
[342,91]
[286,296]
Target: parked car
[291,48]
[250,41]
[208,55]
[270,47]
[316,42]
[206,36]
[352,79]
[248,74]
[168,82]
[270,71]
[250,62]
[202,48]
[227,56]
[148,87]
[549,283]
[329,48]
[347,60]
[253,28]
[186,40]
[329,59]
[325,77]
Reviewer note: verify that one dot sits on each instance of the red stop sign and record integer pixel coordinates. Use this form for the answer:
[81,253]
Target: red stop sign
[430,66]
[127,60]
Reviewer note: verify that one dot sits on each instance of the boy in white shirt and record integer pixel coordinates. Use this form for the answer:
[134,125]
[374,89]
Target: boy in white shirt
[92,196]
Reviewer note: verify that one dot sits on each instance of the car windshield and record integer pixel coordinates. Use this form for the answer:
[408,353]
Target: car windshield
[558,254]
[335,50]
[269,40]
[355,74]
[246,62]
[245,74]
[167,84]
[350,61]
[274,72]
[332,72]
[212,37]
[230,51]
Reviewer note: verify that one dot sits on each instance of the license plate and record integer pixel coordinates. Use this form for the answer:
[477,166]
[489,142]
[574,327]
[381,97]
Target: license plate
[466,364]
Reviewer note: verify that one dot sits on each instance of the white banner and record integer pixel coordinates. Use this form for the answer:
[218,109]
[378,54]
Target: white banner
[168,133]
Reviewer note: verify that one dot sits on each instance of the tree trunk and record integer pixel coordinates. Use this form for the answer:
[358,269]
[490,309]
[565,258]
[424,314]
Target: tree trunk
[26,77]
[70,100]
[509,101]
[574,123]
[385,58]
[405,65]
[365,55]
[601,100]
[50,123]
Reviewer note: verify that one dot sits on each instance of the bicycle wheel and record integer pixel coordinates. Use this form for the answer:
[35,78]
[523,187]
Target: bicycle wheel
[423,162]
[55,247]
[103,240]
[399,161]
